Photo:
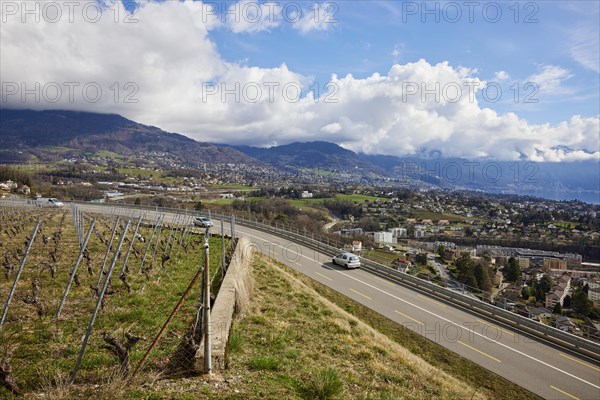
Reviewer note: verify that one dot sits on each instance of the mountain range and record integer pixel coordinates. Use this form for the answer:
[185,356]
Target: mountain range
[49,136]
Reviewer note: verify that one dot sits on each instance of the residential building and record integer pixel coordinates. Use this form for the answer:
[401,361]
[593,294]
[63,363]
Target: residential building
[554,263]
[384,237]
[399,232]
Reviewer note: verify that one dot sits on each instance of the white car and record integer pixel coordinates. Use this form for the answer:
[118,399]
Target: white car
[204,222]
[49,202]
[347,260]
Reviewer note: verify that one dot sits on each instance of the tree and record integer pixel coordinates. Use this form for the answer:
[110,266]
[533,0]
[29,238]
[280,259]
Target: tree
[482,277]
[545,283]
[557,309]
[421,258]
[585,289]
[441,250]
[539,294]
[513,272]
[525,293]
[567,301]
[580,303]
[464,263]
[198,206]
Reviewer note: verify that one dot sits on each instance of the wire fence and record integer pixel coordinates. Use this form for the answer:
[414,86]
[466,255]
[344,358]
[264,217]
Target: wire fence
[84,294]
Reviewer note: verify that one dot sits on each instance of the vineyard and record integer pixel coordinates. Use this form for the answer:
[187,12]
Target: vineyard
[84,295]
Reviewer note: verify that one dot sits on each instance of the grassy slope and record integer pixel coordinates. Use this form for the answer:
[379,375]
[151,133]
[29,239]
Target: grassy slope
[292,332]
[487,383]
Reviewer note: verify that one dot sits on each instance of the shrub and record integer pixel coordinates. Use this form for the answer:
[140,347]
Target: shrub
[324,385]
[264,363]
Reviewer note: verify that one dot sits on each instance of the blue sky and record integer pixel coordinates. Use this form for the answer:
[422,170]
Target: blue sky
[386,72]
[371,36]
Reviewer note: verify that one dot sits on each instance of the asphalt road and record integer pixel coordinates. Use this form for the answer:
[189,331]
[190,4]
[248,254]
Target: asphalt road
[544,369]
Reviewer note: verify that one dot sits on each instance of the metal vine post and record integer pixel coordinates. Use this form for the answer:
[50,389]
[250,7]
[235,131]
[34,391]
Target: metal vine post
[74,271]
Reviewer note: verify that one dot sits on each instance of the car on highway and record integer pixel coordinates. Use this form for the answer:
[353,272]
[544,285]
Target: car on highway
[347,260]
[49,202]
[204,222]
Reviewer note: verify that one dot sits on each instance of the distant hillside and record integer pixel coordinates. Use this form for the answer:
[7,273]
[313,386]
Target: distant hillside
[314,155]
[50,134]
[553,180]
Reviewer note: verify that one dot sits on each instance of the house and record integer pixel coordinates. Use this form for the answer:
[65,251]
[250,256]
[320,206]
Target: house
[227,195]
[402,264]
[419,233]
[564,324]
[8,185]
[306,194]
[356,246]
[24,189]
[554,297]
[498,277]
[594,296]
[539,313]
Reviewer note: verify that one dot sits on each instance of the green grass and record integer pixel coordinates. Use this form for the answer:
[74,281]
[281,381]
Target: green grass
[233,186]
[220,201]
[107,154]
[264,363]
[360,198]
[324,384]
[59,148]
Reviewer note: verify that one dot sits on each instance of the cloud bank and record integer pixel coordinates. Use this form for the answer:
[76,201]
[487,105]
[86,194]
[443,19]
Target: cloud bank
[160,67]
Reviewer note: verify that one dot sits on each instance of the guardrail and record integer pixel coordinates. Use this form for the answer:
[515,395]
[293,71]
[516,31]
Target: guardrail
[575,343]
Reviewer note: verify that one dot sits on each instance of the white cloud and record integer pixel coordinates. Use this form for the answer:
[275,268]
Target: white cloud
[319,17]
[549,79]
[169,55]
[251,16]
[332,128]
[585,46]
[502,76]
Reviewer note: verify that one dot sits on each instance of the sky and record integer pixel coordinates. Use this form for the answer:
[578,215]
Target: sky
[504,80]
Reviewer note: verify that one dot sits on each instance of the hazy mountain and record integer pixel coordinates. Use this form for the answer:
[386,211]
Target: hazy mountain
[313,155]
[27,135]
[51,134]
[560,180]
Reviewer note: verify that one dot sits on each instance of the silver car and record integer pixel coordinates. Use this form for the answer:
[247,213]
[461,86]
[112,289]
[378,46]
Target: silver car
[204,222]
[347,260]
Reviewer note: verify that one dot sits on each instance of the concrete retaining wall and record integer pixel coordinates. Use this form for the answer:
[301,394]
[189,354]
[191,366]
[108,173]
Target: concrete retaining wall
[233,299]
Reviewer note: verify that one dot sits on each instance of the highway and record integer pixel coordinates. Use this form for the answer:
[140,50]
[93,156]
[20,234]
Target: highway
[544,369]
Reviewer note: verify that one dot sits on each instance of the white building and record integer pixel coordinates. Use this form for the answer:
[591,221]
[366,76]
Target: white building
[384,237]
[399,232]
[419,233]
[306,194]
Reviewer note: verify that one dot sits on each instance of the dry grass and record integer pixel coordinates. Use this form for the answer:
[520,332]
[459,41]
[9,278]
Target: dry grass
[292,335]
